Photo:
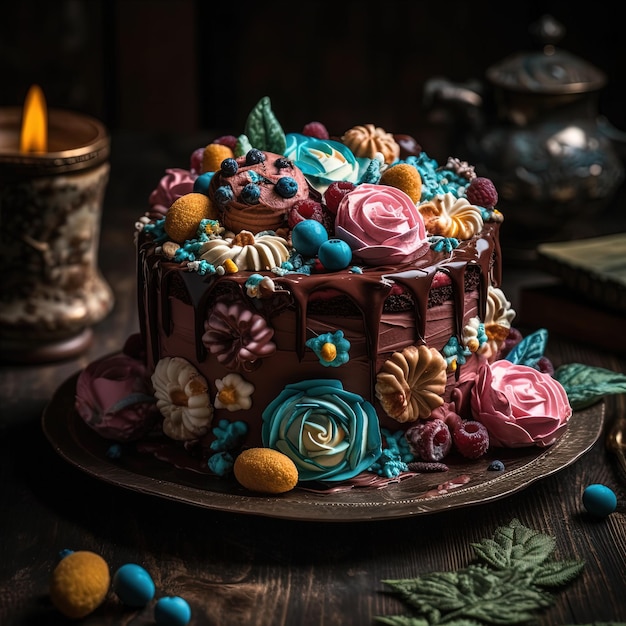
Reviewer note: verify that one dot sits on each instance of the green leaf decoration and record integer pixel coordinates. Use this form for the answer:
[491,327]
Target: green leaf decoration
[530,349]
[242,146]
[264,130]
[557,573]
[515,546]
[585,385]
[508,586]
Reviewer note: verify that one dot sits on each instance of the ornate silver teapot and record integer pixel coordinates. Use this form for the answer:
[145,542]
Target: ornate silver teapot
[535,130]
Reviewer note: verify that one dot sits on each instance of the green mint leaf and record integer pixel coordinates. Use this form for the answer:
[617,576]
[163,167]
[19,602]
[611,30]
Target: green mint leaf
[585,385]
[399,620]
[264,130]
[557,573]
[242,146]
[507,588]
[530,349]
[515,546]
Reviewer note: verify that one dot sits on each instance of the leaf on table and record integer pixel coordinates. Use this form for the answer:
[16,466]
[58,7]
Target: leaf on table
[507,588]
[585,385]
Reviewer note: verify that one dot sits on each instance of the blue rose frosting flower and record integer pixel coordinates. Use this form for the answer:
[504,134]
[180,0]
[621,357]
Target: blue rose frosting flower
[329,433]
[323,161]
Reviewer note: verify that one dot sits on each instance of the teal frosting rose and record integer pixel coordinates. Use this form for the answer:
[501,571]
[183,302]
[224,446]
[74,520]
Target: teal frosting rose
[322,161]
[328,432]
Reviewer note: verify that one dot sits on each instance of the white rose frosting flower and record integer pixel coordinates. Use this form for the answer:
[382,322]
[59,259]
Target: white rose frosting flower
[183,399]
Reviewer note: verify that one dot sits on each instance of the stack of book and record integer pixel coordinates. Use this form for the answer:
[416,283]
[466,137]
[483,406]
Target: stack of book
[588,304]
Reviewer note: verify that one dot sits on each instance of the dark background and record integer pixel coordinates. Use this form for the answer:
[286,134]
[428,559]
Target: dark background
[185,65]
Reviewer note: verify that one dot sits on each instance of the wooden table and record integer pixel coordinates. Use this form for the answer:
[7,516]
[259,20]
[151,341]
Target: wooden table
[240,569]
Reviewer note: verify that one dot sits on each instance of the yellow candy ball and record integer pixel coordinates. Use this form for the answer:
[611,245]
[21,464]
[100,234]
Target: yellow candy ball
[79,584]
[185,214]
[404,177]
[265,470]
[329,352]
[213,156]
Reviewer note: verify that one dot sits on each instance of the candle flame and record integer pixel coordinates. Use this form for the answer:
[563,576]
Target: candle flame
[34,136]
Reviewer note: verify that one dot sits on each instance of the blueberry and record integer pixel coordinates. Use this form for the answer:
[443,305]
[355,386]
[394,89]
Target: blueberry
[496,466]
[282,163]
[286,187]
[251,193]
[254,156]
[229,167]
[223,194]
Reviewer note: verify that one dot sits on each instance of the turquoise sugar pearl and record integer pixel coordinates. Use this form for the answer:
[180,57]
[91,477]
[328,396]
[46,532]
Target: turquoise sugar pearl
[133,585]
[599,500]
[172,611]
[307,236]
[335,254]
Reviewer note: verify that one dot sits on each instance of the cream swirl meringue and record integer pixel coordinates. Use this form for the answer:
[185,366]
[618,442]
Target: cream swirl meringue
[448,216]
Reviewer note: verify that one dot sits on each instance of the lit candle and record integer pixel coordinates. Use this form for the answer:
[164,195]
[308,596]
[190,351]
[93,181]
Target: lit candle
[53,174]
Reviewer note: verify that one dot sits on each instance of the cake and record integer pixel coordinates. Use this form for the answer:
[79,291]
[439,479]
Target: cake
[317,311]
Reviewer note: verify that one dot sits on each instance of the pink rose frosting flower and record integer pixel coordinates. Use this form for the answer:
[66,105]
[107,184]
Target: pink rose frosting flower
[381,224]
[176,183]
[114,397]
[519,405]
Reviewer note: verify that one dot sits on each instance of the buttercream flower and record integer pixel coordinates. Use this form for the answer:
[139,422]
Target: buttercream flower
[322,161]
[176,183]
[381,224]
[114,397]
[328,432]
[519,405]
[183,399]
[331,348]
[238,336]
[233,393]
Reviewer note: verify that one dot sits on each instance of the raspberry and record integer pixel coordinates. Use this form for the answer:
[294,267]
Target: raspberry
[304,210]
[545,366]
[227,140]
[512,339]
[482,192]
[335,192]
[430,440]
[316,129]
[471,439]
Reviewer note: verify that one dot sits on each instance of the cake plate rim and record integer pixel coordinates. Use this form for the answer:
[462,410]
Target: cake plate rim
[421,495]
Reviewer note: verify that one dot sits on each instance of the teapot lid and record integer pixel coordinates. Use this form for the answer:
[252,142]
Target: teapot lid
[550,71]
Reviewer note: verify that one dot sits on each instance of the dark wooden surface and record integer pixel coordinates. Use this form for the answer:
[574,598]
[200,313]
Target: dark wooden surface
[238,569]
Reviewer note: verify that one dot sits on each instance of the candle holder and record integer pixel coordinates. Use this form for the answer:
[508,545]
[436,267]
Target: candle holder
[52,291]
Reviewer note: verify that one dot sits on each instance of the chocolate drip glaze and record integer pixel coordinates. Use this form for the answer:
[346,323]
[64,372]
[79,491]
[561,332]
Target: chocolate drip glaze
[368,291]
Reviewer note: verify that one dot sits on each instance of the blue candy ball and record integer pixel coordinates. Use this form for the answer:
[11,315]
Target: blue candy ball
[335,254]
[172,611]
[133,585]
[599,500]
[201,184]
[307,236]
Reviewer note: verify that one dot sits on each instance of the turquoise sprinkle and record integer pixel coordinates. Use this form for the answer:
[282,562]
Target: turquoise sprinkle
[221,463]
[228,435]
[443,244]
[455,351]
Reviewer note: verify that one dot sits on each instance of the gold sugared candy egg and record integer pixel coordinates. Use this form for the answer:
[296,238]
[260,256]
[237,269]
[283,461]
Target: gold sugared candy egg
[213,156]
[404,177]
[79,583]
[265,470]
[185,214]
